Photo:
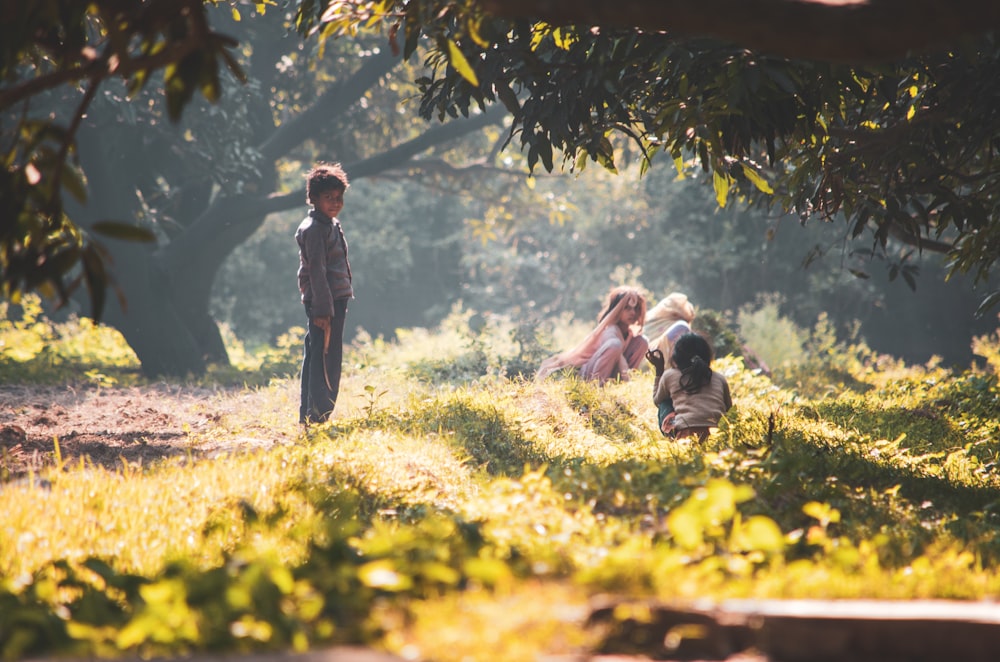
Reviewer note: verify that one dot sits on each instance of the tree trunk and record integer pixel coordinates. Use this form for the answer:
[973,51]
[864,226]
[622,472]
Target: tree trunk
[146,316]
[151,325]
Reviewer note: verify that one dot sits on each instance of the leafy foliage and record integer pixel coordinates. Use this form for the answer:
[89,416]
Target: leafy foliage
[903,149]
[34,349]
[62,53]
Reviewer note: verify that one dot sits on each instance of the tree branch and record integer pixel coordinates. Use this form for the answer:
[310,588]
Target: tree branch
[393,159]
[831,30]
[334,101]
[229,221]
[922,243]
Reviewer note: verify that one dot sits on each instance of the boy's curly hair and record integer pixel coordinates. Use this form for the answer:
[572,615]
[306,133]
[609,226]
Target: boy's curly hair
[325,177]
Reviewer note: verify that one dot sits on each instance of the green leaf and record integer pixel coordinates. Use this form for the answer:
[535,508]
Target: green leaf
[757,180]
[96,278]
[821,511]
[457,60]
[679,164]
[989,302]
[123,231]
[721,183]
[72,181]
[508,98]
[761,533]
[686,528]
[545,153]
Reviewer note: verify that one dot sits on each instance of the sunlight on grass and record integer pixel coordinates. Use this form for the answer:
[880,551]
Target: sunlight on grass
[142,519]
[448,509]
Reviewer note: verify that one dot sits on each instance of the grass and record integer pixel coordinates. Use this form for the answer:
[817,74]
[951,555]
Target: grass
[456,511]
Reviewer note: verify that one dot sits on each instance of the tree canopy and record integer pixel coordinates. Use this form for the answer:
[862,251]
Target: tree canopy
[59,54]
[899,144]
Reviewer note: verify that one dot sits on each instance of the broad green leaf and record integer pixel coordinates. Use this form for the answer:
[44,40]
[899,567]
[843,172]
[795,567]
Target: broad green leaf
[685,527]
[679,164]
[457,60]
[474,33]
[757,180]
[508,98]
[821,511]
[123,231]
[440,573]
[761,533]
[282,578]
[488,571]
[721,183]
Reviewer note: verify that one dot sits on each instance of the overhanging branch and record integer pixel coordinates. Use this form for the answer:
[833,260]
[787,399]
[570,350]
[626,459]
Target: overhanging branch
[334,101]
[830,30]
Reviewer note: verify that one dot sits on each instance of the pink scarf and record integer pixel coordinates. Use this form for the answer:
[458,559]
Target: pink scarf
[580,354]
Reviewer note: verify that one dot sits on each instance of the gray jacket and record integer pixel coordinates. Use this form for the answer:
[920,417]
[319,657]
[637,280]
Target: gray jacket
[324,271]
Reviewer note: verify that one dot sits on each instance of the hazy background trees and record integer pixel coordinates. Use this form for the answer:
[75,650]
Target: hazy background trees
[202,185]
[896,143]
[553,248]
[440,212]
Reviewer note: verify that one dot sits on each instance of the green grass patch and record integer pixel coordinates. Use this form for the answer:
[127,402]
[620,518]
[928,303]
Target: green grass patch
[461,512]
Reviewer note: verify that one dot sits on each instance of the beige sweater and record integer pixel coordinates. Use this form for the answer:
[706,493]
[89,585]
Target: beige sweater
[701,409]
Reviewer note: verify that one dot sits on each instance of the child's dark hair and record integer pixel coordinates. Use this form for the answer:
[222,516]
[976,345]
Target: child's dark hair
[325,177]
[693,357]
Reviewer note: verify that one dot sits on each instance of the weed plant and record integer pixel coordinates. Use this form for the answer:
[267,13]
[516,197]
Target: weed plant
[456,509]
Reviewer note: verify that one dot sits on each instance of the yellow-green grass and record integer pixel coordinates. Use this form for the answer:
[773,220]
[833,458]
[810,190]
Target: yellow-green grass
[474,516]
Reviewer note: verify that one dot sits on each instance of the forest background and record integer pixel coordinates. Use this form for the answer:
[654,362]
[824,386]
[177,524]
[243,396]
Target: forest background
[438,214]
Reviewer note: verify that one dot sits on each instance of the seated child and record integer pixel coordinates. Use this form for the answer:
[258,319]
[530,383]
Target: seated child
[673,308]
[616,345]
[655,357]
[700,395]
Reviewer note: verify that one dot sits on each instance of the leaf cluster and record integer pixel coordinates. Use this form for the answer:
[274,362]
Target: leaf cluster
[57,54]
[904,149]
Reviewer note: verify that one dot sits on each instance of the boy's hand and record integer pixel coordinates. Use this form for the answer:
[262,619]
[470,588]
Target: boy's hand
[324,323]
[655,357]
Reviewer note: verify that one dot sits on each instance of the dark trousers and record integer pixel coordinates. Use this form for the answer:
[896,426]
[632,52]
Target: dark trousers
[321,372]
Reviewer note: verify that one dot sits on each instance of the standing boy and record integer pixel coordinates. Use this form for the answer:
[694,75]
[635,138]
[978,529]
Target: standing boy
[325,285]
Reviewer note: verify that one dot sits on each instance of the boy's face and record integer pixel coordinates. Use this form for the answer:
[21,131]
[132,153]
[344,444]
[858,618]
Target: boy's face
[329,202]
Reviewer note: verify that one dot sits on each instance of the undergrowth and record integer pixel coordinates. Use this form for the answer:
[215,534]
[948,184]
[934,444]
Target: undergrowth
[457,509]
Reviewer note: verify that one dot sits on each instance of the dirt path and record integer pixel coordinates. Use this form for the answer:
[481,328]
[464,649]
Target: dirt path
[138,425]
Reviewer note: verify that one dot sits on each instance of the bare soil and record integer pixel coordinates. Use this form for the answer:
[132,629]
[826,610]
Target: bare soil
[134,425]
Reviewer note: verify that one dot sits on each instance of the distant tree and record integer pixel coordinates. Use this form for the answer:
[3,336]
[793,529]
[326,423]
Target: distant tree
[808,106]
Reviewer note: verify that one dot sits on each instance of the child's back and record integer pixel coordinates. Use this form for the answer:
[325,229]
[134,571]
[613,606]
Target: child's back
[700,395]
